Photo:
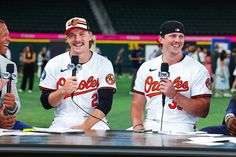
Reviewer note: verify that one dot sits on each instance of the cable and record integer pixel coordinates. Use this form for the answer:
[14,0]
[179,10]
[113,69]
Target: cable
[72,98]
[162,117]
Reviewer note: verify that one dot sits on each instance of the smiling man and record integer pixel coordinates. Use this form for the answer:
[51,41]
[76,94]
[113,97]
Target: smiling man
[79,83]
[176,96]
[9,100]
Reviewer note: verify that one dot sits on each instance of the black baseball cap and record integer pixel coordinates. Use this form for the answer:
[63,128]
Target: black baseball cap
[171,27]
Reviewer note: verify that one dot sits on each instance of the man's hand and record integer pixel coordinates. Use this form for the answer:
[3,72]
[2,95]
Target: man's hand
[167,88]
[6,122]
[81,127]
[231,125]
[138,127]
[70,85]
[9,101]
[3,82]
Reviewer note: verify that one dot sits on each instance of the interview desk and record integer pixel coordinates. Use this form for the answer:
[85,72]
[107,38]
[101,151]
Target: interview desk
[109,143]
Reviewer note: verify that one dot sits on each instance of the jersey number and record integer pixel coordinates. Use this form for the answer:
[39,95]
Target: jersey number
[94,100]
[174,105]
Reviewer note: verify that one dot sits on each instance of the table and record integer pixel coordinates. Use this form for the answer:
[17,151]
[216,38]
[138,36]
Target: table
[109,143]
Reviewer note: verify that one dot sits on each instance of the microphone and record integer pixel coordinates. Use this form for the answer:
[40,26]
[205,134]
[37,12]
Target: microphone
[9,70]
[75,61]
[164,73]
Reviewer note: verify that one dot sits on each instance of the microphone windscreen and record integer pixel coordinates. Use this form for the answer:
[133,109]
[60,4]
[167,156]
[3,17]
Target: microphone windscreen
[164,67]
[10,68]
[75,60]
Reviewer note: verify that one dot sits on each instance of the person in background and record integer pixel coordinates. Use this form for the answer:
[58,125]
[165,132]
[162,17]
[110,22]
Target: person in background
[155,53]
[9,101]
[207,64]
[214,57]
[222,86]
[39,63]
[199,54]
[186,86]
[232,66]
[42,60]
[137,58]
[233,88]
[82,99]
[119,61]
[28,59]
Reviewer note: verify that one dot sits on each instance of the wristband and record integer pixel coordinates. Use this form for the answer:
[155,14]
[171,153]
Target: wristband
[228,116]
[12,112]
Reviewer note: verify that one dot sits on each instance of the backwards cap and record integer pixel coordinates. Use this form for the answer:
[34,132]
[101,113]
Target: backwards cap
[171,27]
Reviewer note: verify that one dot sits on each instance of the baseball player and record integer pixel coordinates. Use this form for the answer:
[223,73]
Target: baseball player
[187,89]
[83,100]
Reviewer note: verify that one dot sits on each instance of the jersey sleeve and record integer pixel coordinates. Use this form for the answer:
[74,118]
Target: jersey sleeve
[48,77]
[107,77]
[202,83]
[139,81]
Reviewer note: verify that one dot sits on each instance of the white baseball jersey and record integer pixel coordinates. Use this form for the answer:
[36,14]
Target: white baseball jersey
[97,73]
[190,78]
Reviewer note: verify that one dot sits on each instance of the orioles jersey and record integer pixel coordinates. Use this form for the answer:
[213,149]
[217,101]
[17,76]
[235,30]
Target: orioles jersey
[190,79]
[95,74]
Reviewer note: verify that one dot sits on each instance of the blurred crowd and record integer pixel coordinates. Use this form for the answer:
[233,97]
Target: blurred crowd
[220,65]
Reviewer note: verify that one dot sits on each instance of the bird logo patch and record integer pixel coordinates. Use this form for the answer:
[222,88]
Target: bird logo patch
[208,83]
[110,79]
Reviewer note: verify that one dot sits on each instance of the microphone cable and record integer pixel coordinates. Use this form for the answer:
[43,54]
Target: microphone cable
[72,98]
[162,113]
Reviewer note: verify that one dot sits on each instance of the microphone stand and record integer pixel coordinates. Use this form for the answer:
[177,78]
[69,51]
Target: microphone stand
[163,74]
[162,112]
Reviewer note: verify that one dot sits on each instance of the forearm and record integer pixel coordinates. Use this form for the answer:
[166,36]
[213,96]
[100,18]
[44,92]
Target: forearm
[137,115]
[97,115]
[56,97]
[195,106]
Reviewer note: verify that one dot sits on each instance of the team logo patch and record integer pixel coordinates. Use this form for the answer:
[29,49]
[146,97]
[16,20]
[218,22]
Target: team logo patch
[43,76]
[110,79]
[208,83]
